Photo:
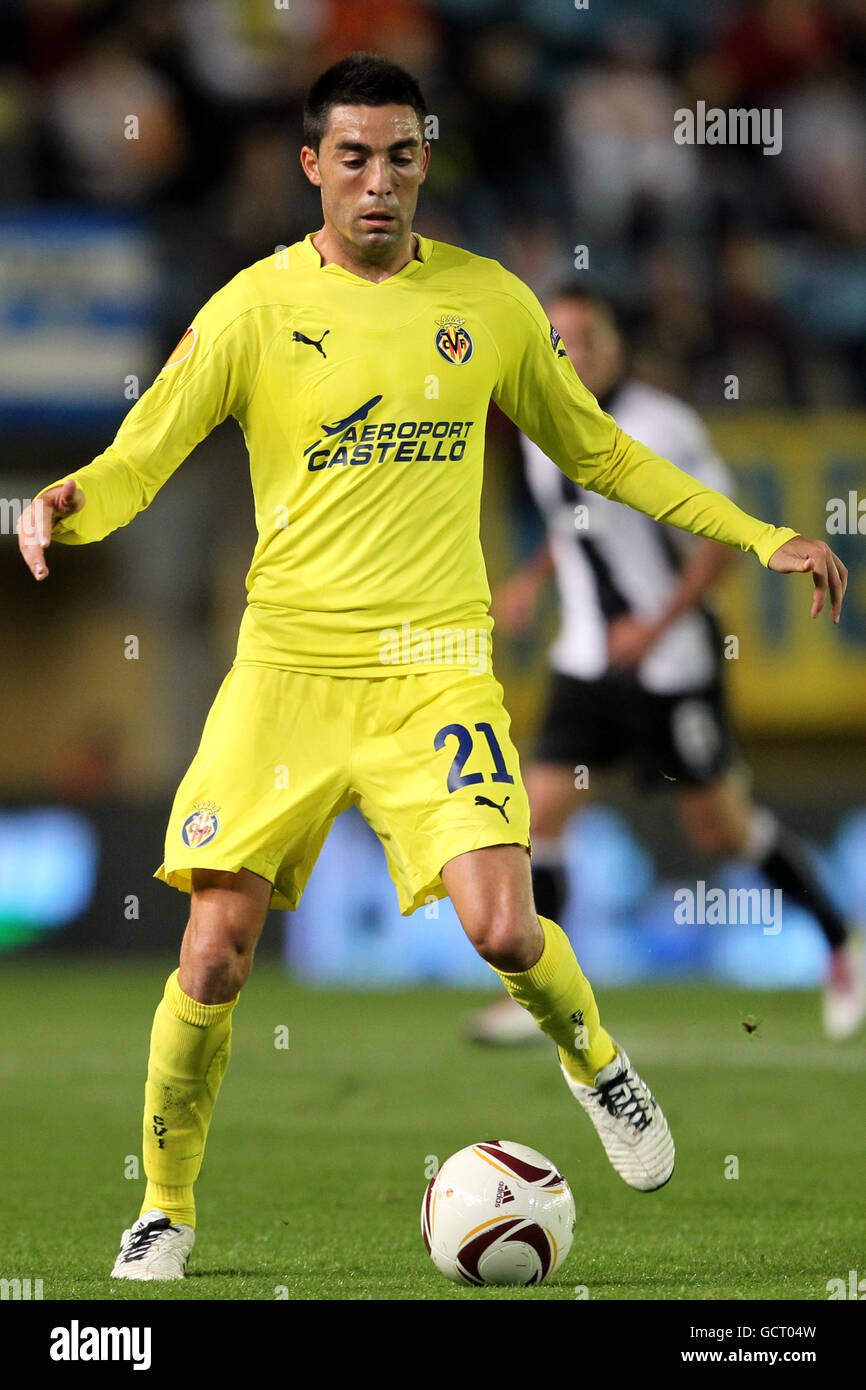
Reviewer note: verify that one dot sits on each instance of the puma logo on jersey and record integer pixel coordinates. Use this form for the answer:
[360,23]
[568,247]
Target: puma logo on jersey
[311,342]
[483,801]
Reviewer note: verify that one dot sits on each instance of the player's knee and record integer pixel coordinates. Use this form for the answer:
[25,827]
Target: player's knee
[507,939]
[214,978]
[217,957]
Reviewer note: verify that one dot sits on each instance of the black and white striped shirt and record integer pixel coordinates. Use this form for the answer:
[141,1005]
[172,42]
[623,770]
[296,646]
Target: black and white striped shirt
[611,560]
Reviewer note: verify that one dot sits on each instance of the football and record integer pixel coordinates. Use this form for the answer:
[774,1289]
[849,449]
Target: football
[498,1212]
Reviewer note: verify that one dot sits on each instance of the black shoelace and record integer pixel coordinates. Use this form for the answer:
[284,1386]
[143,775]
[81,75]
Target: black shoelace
[622,1101]
[143,1240]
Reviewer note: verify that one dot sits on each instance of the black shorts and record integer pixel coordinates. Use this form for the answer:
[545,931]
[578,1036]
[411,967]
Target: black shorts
[684,738]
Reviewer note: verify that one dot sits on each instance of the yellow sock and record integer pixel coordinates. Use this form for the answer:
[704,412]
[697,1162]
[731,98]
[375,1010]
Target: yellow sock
[560,999]
[190,1047]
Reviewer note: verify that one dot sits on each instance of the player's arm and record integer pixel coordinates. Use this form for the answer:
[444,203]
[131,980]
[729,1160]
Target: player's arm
[515,600]
[540,391]
[205,379]
[703,568]
[630,638]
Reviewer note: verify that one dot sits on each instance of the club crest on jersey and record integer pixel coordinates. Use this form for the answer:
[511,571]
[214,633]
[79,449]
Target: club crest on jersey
[453,341]
[200,827]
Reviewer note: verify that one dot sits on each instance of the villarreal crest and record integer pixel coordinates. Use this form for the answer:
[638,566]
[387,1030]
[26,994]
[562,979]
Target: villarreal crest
[453,341]
[200,827]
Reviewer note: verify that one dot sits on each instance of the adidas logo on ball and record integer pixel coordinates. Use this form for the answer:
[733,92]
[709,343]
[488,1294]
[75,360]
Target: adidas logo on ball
[503,1194]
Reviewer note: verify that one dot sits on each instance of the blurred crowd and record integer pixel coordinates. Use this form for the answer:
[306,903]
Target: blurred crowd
[554,131]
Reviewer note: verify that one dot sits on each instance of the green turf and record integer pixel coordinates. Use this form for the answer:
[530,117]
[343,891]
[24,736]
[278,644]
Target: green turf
[317,1155]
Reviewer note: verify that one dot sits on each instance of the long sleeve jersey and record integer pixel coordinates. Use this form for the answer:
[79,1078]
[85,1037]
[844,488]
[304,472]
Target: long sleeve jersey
[363,407]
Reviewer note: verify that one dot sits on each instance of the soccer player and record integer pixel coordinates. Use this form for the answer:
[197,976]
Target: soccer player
[637,663]
[360,364]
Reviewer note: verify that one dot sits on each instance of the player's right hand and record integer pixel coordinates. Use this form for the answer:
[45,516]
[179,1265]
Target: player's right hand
[36,524]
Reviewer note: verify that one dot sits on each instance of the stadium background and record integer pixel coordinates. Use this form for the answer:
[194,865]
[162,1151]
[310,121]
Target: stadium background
[149,150]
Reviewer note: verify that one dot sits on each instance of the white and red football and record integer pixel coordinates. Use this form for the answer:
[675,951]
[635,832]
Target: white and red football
[498,1212]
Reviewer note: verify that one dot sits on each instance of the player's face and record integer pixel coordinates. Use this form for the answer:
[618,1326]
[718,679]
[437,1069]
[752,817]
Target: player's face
[370,165]
[591,341]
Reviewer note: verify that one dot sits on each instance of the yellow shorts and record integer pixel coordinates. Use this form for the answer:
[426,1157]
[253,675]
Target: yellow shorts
[427,758]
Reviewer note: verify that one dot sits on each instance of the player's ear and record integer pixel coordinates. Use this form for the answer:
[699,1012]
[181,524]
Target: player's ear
[425,160]
[310,165]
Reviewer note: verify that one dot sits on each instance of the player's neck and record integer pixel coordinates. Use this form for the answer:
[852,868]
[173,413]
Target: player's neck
[335,251]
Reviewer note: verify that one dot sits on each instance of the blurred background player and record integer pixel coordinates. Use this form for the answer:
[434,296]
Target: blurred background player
[636,669]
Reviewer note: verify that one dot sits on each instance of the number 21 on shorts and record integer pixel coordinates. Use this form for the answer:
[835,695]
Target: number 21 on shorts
[456,776]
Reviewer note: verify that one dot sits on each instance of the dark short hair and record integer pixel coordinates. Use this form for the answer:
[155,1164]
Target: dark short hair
[586,293]
[361,79]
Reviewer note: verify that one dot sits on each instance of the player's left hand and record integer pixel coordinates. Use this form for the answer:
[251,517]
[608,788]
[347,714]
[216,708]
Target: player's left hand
[629,639]
[802,556]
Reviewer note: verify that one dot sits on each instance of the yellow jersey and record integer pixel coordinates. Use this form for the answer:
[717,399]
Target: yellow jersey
[363,407]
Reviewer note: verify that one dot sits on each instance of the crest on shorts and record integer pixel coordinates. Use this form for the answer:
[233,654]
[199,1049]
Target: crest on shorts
[201,826]
[453,341]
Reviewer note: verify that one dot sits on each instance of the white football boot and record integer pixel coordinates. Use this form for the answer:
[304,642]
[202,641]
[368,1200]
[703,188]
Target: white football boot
[153,1248]
[843,1001]
[630,1123]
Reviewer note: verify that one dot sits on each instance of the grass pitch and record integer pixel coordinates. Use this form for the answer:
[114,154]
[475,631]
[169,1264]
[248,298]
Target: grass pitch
[319,1152]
